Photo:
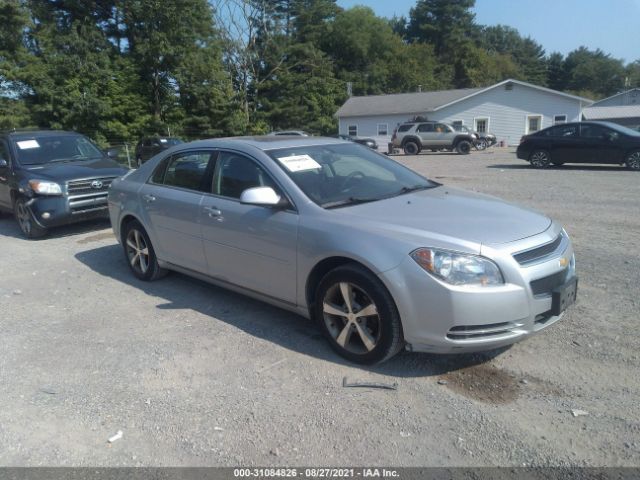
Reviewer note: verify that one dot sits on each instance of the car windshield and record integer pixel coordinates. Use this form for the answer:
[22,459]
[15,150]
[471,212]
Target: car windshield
[40,149]
[345,174]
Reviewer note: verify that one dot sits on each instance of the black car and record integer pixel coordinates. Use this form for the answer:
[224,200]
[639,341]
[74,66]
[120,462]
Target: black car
[367,142]
[582,142]
[52,178]
[150,146]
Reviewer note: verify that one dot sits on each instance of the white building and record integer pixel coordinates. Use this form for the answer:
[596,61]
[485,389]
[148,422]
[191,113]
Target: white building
[508,109]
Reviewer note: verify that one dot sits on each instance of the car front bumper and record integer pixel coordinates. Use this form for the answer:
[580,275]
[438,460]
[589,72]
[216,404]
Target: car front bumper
[80,201]
[442,318]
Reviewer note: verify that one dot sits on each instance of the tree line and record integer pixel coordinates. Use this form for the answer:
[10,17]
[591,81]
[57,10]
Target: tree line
[120,69]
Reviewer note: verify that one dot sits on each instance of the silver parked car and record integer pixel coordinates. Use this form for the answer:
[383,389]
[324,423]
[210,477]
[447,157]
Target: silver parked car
[380,256]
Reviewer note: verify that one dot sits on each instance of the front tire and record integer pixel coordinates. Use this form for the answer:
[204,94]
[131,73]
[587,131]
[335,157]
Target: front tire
[481,144]
[30,229]
[540,159]
[140,255]
[358,315]
[463,147]
[633,160]
[411,148]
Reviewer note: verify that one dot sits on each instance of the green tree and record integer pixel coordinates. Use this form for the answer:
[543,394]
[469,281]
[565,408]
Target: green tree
[593,73]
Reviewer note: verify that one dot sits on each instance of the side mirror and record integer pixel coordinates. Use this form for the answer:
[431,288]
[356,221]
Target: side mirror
[3,163]
[113,152]
[263,197]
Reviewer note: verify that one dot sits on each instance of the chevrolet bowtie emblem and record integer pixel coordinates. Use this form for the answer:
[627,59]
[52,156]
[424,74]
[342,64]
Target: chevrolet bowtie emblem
[563,262]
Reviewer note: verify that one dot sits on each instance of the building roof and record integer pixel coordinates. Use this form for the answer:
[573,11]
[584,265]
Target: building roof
[622,111]
[401,103]
[616,95]
[425,102]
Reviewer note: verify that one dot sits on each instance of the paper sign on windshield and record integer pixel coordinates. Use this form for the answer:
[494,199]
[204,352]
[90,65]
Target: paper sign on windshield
[163,140]
[27,144]
[299,163]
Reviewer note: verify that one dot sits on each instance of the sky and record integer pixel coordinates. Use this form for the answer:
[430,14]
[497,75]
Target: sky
[557,25]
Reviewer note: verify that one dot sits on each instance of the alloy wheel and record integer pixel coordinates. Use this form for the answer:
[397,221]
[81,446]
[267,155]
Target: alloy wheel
[352,318]
[633,161]
[137,251]
[540,159]
[24,218]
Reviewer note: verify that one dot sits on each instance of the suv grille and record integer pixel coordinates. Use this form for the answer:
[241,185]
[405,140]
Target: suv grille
[88,195]
[79,187]
[538,253]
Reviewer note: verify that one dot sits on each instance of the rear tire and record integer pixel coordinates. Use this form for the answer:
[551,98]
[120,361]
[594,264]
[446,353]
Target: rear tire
[371,338]
[540,159]
[463,147]
[411,148]
[139,252]
[30,229]
[633,160]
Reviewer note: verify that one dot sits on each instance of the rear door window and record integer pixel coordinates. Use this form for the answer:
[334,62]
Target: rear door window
[189,170]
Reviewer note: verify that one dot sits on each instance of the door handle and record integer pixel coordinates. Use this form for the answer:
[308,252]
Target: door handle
[149,198]
[213,211]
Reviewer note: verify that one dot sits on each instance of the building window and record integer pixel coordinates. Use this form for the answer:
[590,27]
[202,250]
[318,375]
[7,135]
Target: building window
[383,129]
[481,125]
[559,119]
[534,123]
[352,130]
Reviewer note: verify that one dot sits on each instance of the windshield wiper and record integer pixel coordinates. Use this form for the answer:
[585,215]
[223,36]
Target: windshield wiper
[421,186]
[349,201]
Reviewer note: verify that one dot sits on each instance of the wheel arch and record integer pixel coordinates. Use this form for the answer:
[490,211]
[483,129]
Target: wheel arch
[411,138]
[126,220]
[323,267]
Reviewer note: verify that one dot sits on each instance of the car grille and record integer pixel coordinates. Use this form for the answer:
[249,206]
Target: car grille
[88,195]
[466,332]
[535,254]
[79,187]
[545,285]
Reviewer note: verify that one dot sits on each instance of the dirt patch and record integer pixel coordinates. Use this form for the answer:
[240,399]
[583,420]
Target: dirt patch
[484,383]
[97,237]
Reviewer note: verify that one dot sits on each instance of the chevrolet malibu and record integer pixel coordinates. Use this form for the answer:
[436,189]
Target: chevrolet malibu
[379,256]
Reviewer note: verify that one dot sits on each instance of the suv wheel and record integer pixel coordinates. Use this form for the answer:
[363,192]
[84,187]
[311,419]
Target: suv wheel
[411,148]
[463,147]
[140,254]
[358,315]
[540,159]
[633,160]
[27,223]
[481,144]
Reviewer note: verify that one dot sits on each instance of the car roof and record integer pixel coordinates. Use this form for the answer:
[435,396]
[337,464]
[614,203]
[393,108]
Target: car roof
[265,142]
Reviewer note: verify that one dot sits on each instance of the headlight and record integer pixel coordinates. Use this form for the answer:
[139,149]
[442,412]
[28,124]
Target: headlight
[458,268]
[45,188]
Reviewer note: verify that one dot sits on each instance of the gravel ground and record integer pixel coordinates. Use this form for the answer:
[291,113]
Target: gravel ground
[195,375]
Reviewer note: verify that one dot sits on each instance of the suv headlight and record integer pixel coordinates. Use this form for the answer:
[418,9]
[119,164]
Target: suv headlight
[44,187]
[458,268]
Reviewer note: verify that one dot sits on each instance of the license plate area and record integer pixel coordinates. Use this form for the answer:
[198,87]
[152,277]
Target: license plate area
[564,296]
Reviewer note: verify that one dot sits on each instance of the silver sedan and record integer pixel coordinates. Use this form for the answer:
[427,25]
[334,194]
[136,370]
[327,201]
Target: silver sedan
[381,257]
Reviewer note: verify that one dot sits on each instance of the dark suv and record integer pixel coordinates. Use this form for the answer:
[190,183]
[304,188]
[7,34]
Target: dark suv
[148,147]
[52,178]
[413,137]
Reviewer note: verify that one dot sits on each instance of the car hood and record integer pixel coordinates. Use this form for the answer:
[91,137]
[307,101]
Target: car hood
[452,213]
[103,167]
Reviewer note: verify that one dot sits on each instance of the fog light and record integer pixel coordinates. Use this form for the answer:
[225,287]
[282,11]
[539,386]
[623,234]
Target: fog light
[46,215]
